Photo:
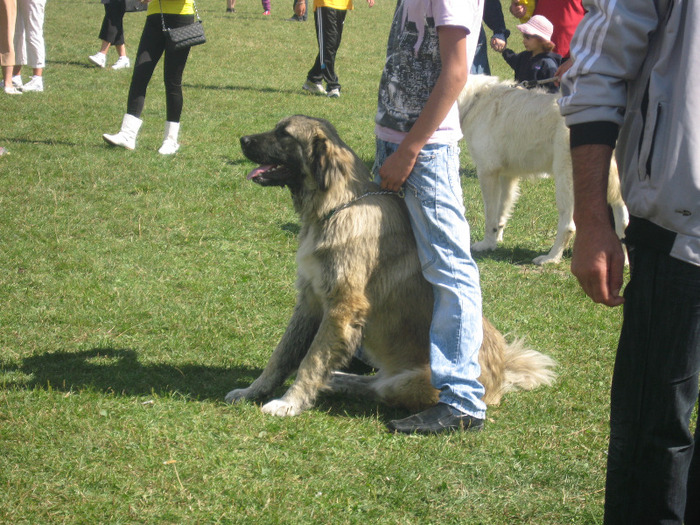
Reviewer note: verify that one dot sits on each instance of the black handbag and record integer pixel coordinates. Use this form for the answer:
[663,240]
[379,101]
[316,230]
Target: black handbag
[185,36]
[133,6]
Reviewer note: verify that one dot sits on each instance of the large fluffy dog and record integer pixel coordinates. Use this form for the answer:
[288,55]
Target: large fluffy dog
[359,283]
[514,133]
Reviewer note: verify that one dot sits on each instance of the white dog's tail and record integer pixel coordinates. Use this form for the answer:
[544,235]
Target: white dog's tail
[526,368]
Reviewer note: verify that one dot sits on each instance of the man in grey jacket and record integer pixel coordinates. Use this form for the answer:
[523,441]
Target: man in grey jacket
[634,85]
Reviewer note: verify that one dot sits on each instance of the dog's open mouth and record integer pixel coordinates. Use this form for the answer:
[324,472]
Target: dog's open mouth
[268,174]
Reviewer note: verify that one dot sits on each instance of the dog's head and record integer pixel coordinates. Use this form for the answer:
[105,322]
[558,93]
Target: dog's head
[299,151]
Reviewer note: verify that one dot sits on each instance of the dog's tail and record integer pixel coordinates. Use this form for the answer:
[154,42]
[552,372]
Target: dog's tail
[525,368]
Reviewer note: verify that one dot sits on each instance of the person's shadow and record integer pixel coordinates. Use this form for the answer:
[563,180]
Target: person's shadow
[119,371]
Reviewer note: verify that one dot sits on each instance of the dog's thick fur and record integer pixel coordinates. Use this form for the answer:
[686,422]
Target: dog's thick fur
[514,133]
[359,283]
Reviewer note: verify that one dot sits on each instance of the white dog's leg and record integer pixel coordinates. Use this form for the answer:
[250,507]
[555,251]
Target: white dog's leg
[564,192]
[509,195]
[491,195]
[621,217]
[620,213]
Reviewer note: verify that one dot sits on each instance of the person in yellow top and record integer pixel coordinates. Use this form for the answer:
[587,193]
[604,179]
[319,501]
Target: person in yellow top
[529,10]
[329,17]
[152,46]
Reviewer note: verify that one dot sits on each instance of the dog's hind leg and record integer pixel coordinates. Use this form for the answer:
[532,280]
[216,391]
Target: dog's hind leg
[620,213]
[410,388]
[353,385]
[285,359]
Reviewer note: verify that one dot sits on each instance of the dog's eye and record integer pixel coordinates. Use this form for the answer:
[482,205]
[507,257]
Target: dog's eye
[282,133]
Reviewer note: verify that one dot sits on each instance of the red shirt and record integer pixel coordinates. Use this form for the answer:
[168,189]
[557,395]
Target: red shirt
[565,16]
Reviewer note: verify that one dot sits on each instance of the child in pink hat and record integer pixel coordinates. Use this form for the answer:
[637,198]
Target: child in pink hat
[538,62]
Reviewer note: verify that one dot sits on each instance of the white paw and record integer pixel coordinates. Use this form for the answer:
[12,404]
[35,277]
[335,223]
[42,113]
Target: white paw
[483,246]
[277,407]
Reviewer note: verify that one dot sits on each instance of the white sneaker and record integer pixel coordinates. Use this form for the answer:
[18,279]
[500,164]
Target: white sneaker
[17,81]
[122,63]
[99,59]
[169,147]
[334,93]
[35,84]
[315,89]
[12,90]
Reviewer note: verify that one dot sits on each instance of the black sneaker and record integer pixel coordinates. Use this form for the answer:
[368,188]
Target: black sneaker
[434,420]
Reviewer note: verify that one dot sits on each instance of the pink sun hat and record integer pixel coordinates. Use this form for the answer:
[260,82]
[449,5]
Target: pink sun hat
[538,26]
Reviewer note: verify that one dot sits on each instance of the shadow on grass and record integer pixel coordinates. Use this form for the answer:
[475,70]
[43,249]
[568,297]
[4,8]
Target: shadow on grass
[45,142]
[119,371]
[254,89]
[516,256]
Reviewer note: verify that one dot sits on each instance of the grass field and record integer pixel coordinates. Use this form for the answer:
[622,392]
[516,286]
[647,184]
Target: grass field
[136,290]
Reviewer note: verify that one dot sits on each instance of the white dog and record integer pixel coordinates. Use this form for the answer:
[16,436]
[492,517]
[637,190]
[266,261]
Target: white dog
[514,133]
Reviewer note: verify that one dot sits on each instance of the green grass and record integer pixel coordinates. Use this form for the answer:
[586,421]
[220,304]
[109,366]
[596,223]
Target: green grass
[136,290]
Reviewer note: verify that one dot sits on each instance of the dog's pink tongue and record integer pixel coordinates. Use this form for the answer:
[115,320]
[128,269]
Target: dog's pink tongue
[257,171]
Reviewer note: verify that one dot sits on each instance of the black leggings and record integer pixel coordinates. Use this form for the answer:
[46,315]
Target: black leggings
[151,47]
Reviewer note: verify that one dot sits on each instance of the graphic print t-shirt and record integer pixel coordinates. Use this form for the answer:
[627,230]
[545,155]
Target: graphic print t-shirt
[413,64]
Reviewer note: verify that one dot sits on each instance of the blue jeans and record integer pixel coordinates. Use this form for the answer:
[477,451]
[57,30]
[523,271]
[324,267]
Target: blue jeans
[433,195]
[653,466]
[480,66]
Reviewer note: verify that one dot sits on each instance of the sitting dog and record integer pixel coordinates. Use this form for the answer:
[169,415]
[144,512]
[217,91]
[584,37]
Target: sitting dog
[513,133]
[359,283]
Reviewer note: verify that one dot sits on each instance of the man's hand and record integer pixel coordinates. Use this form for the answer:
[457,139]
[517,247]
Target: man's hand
[598,263]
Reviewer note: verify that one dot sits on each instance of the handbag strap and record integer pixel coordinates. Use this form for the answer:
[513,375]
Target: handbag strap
[162,18]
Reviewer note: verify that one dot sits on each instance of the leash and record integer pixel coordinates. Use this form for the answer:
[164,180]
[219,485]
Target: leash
[330,214]
[528,84]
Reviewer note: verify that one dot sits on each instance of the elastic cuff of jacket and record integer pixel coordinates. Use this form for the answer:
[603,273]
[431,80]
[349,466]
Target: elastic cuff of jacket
[600,132]
[502,35]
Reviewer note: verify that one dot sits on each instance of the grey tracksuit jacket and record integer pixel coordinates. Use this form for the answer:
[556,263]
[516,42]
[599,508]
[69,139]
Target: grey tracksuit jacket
[637,65]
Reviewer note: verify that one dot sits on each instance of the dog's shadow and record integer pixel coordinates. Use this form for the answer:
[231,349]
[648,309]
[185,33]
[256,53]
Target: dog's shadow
[119,371]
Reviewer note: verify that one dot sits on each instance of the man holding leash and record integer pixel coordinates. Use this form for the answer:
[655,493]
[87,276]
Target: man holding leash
[633,86]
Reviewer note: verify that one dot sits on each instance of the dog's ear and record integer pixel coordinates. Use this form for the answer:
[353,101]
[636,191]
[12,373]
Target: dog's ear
[327,161]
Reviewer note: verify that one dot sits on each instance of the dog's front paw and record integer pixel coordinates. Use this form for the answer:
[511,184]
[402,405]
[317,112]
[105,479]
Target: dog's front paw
[238,395]
[483,246]
[277,407]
